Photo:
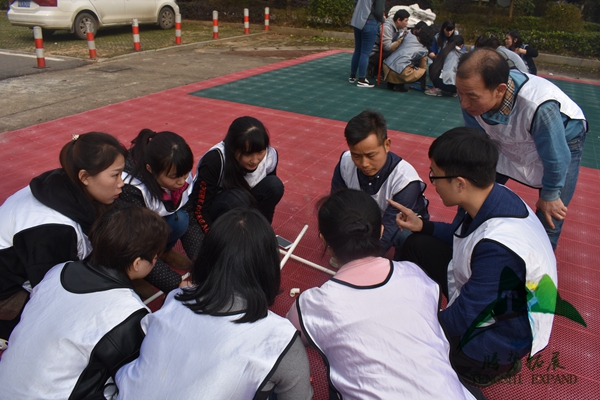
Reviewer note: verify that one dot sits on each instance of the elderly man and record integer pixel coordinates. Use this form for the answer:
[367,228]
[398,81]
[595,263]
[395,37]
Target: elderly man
[541,131]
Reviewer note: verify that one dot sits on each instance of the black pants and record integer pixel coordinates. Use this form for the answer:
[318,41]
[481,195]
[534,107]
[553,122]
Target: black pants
[264,196]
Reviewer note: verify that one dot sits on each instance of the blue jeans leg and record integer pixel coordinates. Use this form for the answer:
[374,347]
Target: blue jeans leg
[576,147]
[178,223]
[363,44]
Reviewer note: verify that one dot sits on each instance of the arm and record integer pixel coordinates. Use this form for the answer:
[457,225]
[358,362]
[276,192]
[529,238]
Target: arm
[379,10]
[408,219]
[131,195]
[206,188]
[548,133]
[528,51]
[337,182]
[294,318]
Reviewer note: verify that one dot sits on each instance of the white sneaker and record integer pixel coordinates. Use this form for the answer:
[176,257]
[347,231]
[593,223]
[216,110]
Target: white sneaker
[433,92]
[364,84]
[351,80]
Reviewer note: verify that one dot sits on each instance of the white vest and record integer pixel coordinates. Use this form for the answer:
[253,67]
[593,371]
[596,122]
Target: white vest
[519,158]
[382,342]
[23,211]
[194,356]
[525,237]
[152,202]
[265,167]
[401,176]
[51,346]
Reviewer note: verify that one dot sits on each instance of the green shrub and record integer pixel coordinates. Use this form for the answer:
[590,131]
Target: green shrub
[331,12]
[591,27]
[563,16]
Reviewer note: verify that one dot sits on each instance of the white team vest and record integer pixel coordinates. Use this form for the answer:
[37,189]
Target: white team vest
[528,239]
[401,176]
[382,342]
[265,167]
[152,202]
[519,158]
[22,211]
[194,356]
[46,363]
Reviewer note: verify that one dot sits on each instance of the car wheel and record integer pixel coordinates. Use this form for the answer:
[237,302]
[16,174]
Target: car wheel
[166,18]
[79,25]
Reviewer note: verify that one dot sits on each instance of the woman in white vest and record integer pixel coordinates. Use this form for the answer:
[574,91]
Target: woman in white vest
[48,221]
[375,322]
[239,171]
[83,320]
[157,176]
[218,339]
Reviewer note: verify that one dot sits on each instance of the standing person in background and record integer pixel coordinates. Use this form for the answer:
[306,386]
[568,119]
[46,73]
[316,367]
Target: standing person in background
[442,71]
[513,42]
[367,14]
[394,32]
[441,38]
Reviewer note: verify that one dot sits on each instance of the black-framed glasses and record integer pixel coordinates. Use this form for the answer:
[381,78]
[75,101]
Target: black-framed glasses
[432,177]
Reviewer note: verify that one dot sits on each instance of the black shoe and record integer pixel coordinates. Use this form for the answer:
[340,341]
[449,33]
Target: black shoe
[400,88]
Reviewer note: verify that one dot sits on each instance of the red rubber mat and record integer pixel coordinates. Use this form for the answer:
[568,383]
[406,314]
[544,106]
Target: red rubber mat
[309,148]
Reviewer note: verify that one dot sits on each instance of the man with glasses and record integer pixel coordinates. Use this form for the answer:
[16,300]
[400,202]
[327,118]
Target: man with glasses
[482,260]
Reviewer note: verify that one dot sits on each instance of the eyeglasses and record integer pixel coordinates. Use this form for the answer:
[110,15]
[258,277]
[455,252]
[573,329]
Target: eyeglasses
[432,177]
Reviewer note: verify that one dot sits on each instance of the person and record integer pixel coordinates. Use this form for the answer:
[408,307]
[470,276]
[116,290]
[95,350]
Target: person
[48,221]
[157,175]
[375,314]
[239,171]
[441,38]
[220,333]
[367,14]
[482,261]
[370,166]
[408,63]
[83,320]
[394,31]
[540,129]
[513,60]
[418,26]
[442,71]
[514,42]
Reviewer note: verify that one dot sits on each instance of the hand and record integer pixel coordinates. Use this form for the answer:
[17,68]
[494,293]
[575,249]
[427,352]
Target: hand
[552,209]
[185,283]
[407,218]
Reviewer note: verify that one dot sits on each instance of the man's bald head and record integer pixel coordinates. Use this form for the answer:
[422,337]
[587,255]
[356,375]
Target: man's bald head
[486,63]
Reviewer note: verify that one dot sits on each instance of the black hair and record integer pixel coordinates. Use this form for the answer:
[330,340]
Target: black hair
[421,24]
[162,151]
[516,37]
[492,43]
[480,41]
[239,258]
[363,125]
[350,222]
[448,24]
[466,152]
[438,62]
[426,36]
[127,232]
[490,65]
[401,15]
[92,152]
[246,135]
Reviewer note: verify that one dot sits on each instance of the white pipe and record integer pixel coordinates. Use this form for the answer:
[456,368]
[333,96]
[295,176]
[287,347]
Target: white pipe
[293,247]
[160,292]
[309,263]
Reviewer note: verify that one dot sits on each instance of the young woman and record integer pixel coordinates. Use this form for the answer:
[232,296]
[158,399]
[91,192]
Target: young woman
[83,320]
[217,339]
[375,322]
[48,221]
[442,71]
[239,171]
[513,42]
[157,175]
[441,38]
[368,14]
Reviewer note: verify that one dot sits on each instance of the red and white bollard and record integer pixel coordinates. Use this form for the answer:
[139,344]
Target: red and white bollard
[90,39]
[177,28]
[266,18]
[39,47]
[215,24]
[136,35]
[246,21]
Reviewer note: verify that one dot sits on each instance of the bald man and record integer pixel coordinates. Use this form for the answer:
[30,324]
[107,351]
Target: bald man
[541,131]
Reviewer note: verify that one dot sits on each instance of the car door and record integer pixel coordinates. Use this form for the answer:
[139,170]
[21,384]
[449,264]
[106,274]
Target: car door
[110,12]
[143,10]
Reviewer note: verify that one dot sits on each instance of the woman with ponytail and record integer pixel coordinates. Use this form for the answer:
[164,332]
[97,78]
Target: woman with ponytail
[48,222]
[375,322]
[157,176]
[240,171]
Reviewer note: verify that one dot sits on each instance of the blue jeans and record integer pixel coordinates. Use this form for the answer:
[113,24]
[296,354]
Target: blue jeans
[178,223]
[363,44]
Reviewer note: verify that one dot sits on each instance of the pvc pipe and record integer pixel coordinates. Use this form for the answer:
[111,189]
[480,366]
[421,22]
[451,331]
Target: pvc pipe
[39,47]
[177,28]
[215,24]
[136,35]
[90,40]
[293,247]
[246,22]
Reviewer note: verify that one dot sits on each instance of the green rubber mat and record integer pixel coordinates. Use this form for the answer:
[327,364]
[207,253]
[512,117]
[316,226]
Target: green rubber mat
[320,88]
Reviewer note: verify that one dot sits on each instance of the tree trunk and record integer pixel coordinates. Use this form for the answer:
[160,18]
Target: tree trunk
[289,8]
[510,9]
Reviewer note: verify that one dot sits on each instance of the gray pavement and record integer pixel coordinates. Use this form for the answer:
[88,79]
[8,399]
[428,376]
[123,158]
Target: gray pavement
[13,64]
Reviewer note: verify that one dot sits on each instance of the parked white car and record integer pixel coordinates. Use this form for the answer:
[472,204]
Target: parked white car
[74,14]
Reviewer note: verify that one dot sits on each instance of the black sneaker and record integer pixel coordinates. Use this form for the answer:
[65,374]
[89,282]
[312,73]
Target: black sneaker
[364,83]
